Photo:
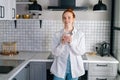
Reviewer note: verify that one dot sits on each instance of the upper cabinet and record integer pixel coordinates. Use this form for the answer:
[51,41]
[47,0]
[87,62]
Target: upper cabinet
[12,9]
[7,9]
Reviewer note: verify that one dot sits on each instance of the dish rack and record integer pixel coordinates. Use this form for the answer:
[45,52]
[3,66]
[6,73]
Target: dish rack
[9,48]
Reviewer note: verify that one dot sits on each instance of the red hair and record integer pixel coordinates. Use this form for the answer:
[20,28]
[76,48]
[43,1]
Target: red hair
[69,10]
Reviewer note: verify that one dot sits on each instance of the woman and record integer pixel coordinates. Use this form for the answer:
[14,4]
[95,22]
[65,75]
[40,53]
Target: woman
[68,45]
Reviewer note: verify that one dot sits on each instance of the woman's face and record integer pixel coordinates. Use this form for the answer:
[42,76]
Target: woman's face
[68,19]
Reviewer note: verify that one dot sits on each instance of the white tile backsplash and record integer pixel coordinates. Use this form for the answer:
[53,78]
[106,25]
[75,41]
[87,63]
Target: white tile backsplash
[30,37]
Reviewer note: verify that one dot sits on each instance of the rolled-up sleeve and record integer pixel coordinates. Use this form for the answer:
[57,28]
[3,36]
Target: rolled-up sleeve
[78,47]
[57,46]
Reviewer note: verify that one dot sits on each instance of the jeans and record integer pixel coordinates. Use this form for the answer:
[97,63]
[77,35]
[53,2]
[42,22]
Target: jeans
[68,77]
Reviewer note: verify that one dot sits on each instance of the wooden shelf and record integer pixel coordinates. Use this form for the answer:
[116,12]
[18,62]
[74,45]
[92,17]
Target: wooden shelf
[29,19]
[24,2]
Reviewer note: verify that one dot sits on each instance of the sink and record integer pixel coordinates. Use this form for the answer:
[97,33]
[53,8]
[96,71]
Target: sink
[5,69]
[7,65]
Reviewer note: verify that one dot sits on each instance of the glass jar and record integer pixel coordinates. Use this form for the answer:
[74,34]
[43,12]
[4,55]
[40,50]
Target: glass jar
[39,16]
[34,16]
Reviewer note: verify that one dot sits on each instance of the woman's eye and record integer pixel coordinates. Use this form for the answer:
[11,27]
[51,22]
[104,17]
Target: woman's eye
[64,17]
[69,18]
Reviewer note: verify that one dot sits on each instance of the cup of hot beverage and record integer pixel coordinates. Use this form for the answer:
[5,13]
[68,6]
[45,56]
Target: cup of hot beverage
[67,37]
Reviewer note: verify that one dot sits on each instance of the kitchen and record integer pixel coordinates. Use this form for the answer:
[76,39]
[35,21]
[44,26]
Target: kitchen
[31,37]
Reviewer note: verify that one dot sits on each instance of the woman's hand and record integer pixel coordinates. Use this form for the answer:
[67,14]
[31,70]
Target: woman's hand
[66,38]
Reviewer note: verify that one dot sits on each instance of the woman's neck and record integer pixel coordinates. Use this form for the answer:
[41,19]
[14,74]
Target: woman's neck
[68,29]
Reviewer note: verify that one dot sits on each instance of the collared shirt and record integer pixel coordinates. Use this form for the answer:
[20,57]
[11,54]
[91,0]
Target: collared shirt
[74,50]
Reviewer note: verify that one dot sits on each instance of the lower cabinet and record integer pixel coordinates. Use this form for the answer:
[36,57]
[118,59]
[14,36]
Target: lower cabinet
[102,71]
[41,71]
[101,78]
[33,71]
[37,71]
[23,74]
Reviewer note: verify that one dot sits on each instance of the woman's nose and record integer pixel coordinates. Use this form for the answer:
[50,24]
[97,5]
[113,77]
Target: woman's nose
[66,20]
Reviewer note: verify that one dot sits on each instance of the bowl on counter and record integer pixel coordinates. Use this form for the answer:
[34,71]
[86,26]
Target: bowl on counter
[18,16]
[26,16]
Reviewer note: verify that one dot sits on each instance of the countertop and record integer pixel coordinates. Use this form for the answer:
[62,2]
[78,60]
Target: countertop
[29,56]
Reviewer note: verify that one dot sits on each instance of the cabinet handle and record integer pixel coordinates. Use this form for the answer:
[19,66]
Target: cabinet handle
[14,79]
[27,66]
[2,14]
[101,79]
[104,65]
[1,11]
[13,13]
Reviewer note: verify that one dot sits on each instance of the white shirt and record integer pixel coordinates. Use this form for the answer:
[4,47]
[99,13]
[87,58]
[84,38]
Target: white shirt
[76,48]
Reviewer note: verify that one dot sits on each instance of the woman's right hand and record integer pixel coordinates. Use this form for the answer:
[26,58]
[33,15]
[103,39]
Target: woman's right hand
[65,38]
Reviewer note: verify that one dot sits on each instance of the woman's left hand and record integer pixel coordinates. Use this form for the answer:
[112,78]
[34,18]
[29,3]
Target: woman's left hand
[68,38]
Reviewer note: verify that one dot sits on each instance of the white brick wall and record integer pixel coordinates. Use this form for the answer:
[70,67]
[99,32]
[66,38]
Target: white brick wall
[30,37]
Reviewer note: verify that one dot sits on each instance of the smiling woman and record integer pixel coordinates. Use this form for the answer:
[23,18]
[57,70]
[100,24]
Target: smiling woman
[68,45]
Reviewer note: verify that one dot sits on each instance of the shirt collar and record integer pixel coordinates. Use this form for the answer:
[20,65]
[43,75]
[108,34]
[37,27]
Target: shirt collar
[73,32]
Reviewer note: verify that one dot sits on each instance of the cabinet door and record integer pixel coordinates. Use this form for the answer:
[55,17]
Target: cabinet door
[105,69]
[7,9]
[37,71]
[3,9]
[12,9]
[101,78]
[22,75]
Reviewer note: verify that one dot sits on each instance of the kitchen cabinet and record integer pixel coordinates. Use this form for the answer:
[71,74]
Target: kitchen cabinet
[23,74]
[102,71]
[7,9]
[37,71]
[13,9]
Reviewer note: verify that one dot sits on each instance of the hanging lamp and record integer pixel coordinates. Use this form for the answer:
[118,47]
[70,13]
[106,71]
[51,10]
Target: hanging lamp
[99,6]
